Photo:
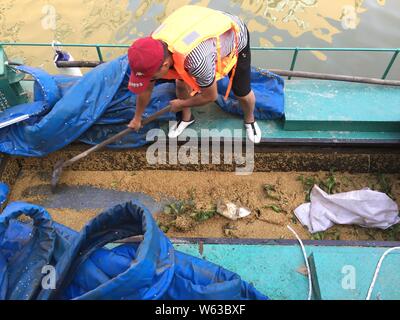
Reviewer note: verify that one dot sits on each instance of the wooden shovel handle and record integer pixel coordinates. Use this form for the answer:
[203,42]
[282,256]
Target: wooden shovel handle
[116,137]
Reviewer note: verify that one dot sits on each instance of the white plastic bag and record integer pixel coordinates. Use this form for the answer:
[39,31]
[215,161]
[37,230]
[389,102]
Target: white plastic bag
[366,208]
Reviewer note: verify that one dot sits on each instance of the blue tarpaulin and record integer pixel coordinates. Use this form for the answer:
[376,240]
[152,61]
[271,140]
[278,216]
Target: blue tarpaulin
[269,91]
[85,108]
[86,268]
[4,191]
[98,105]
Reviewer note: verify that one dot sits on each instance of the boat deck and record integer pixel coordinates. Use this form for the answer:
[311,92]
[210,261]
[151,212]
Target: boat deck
[321,112]
[341,106]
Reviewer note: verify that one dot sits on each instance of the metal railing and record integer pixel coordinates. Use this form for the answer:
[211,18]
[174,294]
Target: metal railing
[295,50]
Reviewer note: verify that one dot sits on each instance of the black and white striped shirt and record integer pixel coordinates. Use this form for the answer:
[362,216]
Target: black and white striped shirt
[201,62]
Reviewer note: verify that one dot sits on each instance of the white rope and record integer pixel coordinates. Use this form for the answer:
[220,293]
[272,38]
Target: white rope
[378,268]
[306,260]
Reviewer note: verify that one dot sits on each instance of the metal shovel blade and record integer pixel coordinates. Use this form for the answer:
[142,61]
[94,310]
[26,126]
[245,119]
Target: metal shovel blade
[56,174]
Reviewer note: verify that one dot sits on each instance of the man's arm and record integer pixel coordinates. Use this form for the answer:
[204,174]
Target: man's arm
[142,100]
[207,95]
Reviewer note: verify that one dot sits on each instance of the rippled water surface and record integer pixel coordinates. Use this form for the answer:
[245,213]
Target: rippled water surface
[273,23]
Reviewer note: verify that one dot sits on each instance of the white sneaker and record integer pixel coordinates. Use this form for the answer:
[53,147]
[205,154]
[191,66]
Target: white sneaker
[253,132]
[178,127]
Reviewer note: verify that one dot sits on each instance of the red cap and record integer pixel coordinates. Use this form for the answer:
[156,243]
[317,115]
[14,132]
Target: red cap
[145,56]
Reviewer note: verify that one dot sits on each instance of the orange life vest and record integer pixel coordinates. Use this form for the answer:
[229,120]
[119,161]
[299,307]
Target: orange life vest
[185,29]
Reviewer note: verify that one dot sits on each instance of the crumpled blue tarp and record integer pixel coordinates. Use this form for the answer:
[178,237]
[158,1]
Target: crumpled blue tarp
[98,105]
[269,91]
[76,108]
[86,269]
[33,110]
[4,191]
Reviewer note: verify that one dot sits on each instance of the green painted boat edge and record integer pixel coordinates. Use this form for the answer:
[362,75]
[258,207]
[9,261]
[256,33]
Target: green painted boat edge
[287,242]
[274,268]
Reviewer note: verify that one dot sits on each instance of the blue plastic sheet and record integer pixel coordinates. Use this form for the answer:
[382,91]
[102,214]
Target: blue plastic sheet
[33,110]
[86,269]
[45,87]
[4,191]
[77,107]
[22,257]
[269,91]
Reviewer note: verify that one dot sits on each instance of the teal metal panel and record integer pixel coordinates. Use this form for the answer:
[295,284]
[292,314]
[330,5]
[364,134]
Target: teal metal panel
[341,106]
[211,117]
[273,269]
[336,267]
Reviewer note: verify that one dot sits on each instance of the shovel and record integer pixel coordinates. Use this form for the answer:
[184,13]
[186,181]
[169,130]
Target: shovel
[60,165]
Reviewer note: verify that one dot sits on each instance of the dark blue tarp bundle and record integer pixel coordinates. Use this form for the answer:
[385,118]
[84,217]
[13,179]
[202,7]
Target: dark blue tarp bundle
[85,269]
[98,105]
[88,108]
[269,91]
[4,191]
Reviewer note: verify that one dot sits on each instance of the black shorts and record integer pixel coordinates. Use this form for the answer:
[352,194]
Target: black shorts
[241,85]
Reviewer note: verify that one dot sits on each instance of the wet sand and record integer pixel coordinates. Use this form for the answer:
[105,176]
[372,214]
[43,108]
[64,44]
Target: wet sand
[271,211]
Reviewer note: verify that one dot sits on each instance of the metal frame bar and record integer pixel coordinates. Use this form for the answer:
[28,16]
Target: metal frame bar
[99,53]
[294,60]
[296,50]
[391,62]
[286,242]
